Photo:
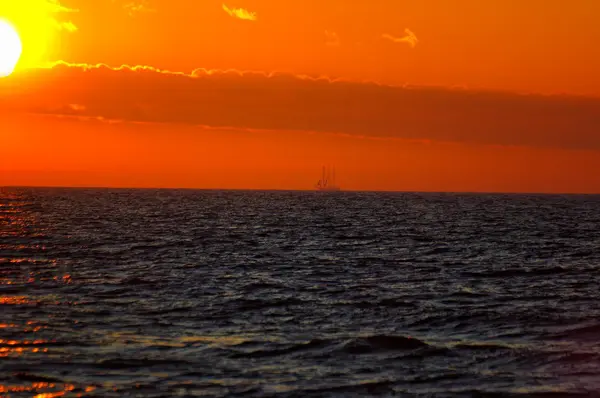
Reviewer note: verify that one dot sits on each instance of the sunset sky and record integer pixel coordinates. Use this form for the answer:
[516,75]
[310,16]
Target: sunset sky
[429,95]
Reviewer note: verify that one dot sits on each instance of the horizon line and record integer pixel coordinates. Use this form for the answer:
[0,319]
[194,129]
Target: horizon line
[150,188]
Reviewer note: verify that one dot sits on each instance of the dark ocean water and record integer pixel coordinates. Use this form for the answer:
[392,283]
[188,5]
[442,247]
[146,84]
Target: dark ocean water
[115,293]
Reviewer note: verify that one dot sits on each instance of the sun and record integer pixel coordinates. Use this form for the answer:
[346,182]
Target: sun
[10,48]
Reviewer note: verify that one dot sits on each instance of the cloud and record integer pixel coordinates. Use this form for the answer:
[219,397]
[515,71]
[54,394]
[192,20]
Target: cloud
[240,13]
[68,26]
[410,38]
[332,38]
[77,107]
[275,101]
[54,6]
[137,7]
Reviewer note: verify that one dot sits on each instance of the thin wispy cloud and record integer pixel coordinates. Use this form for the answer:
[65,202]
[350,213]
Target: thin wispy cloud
[137,7]
[332,38]
[68,26]
[410,38]
[77,107]
[134,7]
[240,13]
[54,6]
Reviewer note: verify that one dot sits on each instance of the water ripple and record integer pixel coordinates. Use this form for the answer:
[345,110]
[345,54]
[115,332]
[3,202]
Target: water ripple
[211,293]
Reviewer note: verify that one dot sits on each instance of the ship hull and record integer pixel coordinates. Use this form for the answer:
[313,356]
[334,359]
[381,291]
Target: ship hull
[329,189]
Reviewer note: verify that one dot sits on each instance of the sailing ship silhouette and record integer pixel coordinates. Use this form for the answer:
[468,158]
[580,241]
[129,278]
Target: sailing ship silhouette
[327,181]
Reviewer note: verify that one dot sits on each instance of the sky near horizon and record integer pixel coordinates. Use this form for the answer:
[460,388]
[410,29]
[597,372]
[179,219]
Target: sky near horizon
[437,95]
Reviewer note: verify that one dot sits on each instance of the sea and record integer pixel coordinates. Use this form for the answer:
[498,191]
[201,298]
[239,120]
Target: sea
[191,293]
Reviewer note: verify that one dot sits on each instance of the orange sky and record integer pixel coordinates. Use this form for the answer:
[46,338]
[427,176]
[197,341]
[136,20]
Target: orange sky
[462,101]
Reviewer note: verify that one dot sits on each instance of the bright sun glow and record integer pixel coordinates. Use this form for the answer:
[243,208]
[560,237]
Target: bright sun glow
[10,48]
[41,24]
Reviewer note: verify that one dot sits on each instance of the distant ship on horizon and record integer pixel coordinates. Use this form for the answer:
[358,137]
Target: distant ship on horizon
[327,181]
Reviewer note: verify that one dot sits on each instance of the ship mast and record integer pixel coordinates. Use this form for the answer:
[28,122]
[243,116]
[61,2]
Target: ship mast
[328,179]
[333,177]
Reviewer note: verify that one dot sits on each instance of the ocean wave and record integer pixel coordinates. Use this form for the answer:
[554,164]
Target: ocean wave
[167,293]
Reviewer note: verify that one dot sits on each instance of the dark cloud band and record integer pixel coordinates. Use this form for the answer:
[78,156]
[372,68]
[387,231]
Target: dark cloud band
[260,101]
